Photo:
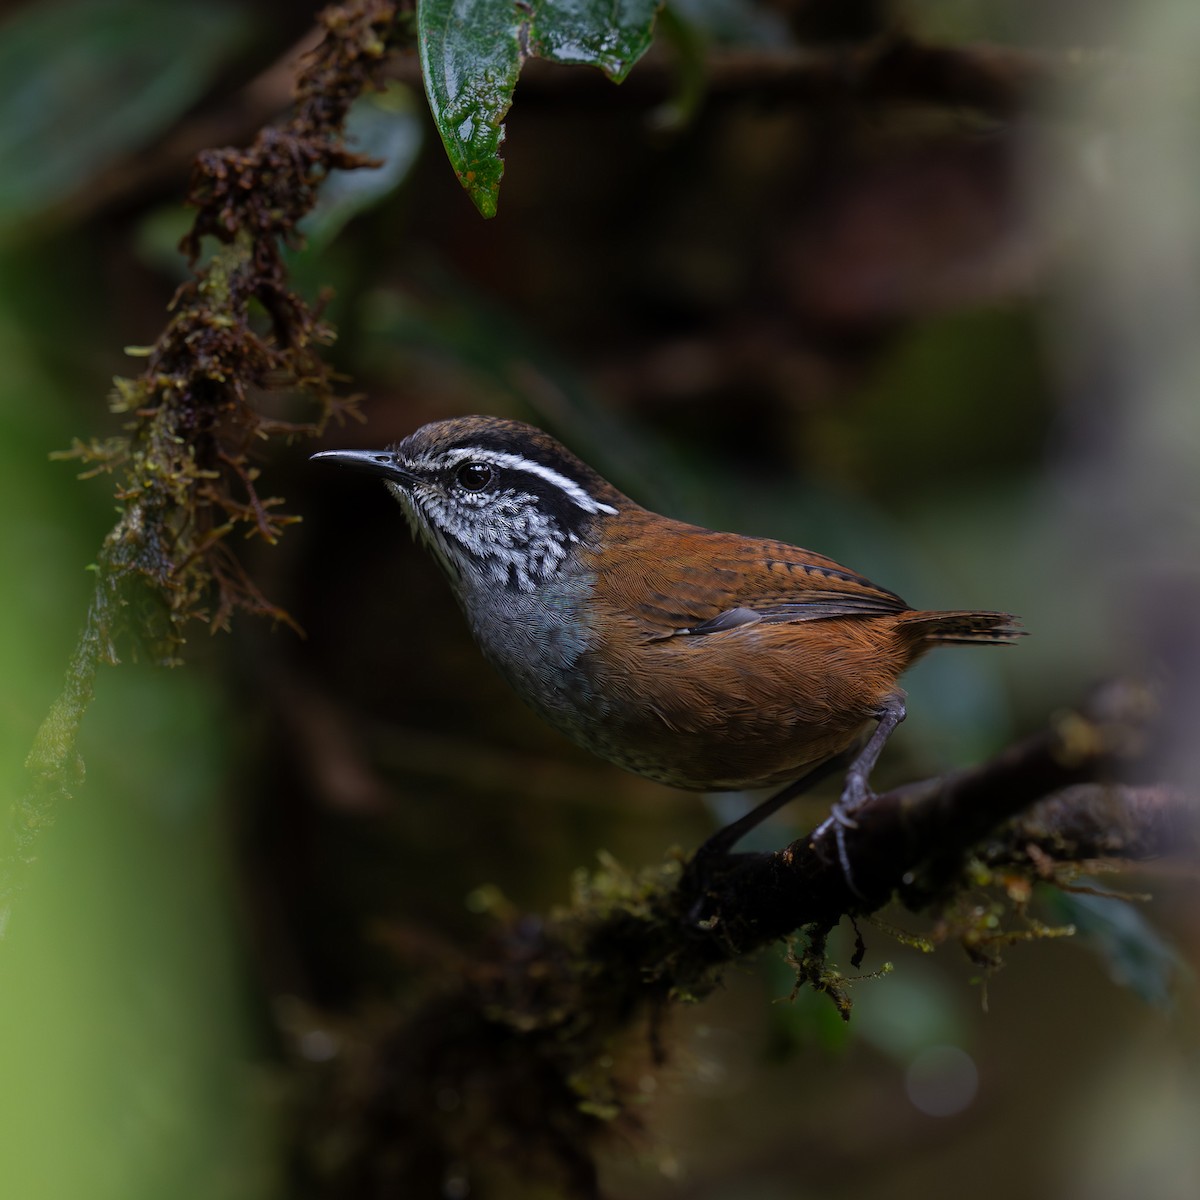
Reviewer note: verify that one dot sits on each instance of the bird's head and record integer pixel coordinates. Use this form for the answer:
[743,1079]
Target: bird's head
[498,502]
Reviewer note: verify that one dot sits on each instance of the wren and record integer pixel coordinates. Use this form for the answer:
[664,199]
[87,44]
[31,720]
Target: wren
[707,661]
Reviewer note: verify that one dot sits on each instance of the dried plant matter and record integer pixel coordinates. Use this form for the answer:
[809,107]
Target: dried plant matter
[184,470]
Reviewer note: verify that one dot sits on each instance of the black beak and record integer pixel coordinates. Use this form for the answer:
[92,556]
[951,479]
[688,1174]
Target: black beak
[375,462]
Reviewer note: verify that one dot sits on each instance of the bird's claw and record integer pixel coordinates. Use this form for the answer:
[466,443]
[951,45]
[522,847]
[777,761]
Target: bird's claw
[855,796]
[841,816]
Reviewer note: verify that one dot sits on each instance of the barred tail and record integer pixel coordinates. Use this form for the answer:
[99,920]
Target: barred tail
[927,629]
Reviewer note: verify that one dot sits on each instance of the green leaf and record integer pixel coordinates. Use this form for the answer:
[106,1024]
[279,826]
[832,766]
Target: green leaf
[83,83]
[1136,954]
[472,52]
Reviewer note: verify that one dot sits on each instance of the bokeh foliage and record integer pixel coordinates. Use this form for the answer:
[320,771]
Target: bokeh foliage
[833,322]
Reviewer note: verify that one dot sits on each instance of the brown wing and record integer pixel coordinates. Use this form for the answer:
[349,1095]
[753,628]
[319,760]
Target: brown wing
[678,580]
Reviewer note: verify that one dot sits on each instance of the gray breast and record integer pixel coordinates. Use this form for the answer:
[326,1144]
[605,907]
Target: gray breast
[535,640]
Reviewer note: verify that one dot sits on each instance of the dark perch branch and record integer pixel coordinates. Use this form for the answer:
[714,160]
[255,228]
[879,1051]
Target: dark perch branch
[992,80]
[528,1026]
[912,839]
[1096,821]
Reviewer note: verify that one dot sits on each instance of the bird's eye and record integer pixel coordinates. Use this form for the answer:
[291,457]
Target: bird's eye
[474,476]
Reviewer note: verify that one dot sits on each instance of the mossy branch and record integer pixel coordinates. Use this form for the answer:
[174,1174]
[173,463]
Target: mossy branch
[184,474]
[535,1028]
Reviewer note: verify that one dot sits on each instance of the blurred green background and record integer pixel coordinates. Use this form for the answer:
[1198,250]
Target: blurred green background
[957,354]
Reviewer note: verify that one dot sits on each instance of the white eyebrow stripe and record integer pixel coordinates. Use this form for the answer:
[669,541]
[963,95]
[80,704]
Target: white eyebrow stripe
[497,458]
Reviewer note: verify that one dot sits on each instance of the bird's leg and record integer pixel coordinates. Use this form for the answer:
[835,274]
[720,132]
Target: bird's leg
[858,766]
[699,871]
[857,790]
[726,838]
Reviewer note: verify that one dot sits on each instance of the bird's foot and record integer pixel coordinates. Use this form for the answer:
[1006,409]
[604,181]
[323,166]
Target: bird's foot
[855,796]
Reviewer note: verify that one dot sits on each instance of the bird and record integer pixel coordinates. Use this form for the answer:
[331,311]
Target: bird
[708,661]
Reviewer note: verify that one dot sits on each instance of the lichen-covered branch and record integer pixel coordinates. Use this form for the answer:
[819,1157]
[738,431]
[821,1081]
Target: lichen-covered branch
[534,1028]
[1093,821]
[184,469]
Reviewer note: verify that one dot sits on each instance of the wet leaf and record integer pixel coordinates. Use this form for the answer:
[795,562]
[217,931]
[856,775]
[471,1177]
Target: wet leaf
[472,52]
